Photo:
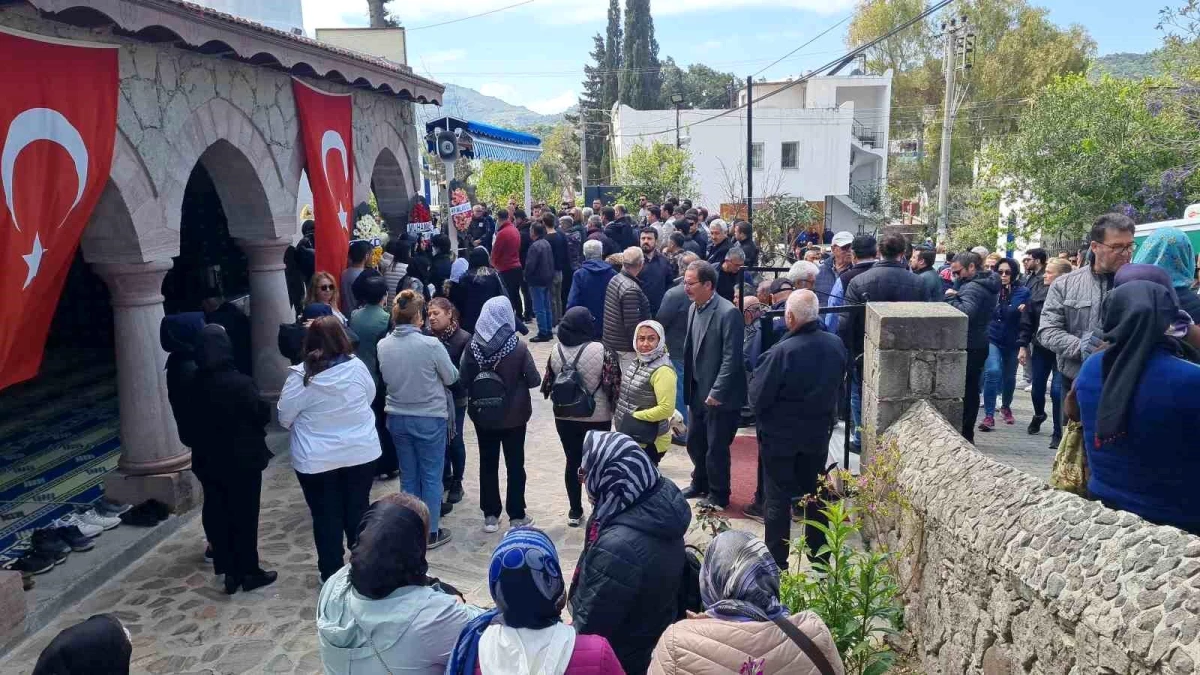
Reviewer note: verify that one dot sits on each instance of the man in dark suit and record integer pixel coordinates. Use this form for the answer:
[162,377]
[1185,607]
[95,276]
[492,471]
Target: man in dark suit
[794,395]
[714,380]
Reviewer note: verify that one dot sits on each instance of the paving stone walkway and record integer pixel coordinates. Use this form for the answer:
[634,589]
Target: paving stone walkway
[181,620]
[1012,445]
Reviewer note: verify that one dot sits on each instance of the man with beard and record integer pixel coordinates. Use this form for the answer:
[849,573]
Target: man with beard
[656,275]
[482,228]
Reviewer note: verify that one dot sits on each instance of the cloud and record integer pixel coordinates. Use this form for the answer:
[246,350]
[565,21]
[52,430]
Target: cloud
[330,14]
[498,90]
[551,106]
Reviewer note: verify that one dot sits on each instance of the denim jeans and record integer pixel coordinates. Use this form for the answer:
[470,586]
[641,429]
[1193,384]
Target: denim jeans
[999,377]
[856,408]
[456,451]
[556,298]
[680,399]
[421,448]
[1043,365]
[542,310]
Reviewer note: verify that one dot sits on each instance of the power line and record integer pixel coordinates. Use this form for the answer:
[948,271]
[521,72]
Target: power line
[465,18]
[818,37]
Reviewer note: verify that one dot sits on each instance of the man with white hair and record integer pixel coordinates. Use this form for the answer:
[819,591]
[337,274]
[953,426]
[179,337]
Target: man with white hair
[803,274]
[625,306]
[719,242]
[794,396]
[730,275]
[589,284]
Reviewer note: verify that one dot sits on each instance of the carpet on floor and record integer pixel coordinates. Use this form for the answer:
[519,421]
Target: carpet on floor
[59,439]
[743,474]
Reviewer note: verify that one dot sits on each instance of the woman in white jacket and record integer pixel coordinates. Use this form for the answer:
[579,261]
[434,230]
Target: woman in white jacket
[326,403]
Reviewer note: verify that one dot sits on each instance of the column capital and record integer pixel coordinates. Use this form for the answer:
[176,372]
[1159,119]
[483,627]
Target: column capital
[134,284]
[265,255]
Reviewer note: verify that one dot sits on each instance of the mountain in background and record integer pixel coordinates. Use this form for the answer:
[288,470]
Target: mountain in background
[468,104]
[1127,66]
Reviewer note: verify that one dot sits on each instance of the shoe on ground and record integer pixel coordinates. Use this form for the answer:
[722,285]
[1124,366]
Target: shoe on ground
[29,563]
[575,519]
[75,539]
[693,492]
[541,338]
[1055,441]
[73,520]
[111,509]
[447,507]
[678,440]
[491,524]
[232,584]
[753,512]
[1035,424]
[91,517]
[258,580]
[988,423]
[710,503]
[456,492]
[1028,387]
[442,537]
[1006,413]
[520,522]
[49,544]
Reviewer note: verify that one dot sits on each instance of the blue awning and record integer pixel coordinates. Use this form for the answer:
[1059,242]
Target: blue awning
[489,142]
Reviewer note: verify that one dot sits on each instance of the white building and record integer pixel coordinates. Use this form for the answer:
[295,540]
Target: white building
[822,140]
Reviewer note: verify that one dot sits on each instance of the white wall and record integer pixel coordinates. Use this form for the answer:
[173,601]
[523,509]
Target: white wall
[792,97]
[719,146]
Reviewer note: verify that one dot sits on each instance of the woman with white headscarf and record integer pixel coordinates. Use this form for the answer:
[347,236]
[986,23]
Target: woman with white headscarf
[498,371]
[647,398]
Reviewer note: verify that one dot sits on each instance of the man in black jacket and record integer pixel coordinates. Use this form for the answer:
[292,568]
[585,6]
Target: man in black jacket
[794,395]
[922,263]
[888,280]
[522,222]
[975,293]
[657,274]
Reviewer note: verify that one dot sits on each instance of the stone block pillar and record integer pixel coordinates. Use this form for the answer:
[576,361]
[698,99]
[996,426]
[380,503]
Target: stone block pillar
[913,351]
[269,307]
[153,464]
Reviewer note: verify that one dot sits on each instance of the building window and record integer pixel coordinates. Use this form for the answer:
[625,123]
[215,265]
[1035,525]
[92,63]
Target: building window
[790,155]
[756,156]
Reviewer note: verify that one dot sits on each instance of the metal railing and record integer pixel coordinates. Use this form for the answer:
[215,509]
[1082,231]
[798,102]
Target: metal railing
[868,195]
[866,135]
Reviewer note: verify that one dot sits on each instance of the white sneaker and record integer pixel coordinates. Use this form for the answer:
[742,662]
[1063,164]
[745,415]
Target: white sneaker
[87,529]
[92,518]
[491,524]
[520,522]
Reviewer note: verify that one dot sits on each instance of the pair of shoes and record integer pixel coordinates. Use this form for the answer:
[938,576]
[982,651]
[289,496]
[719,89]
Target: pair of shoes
[1035,424]
[442,537]
[988,423]
[111,509]
[147,514]
[456,492]
[1055,441]
[491,524]
[29,563]
[678,440]
[753,512]
[73,537]
[520,522]
[693,492]
[249,582]
[574,518]
[1006,413]
[713,504]
[73,520]
[48,543]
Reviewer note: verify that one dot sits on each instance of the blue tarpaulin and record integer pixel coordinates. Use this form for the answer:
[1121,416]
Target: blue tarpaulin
[489,142]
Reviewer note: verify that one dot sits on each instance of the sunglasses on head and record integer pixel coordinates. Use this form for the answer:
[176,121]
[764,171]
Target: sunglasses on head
[325,288]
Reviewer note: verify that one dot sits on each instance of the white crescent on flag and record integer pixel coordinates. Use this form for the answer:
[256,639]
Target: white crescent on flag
[332,140]
[37,124]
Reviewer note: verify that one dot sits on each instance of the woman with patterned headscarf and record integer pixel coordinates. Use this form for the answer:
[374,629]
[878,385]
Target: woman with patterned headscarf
[739,584]
[647,396]
[525,634]
[1170,249]
[626,585]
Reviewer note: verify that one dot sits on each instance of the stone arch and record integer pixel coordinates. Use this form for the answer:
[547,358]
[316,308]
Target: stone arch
[254,195]
[391,190]
[386,160]
[128,223]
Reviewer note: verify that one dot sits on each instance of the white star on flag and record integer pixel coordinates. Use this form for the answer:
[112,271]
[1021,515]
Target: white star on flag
[33,260]
[342,217]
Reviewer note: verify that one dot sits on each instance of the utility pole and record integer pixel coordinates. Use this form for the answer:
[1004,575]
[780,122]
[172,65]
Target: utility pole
[958,45]
[749,148]
[583,156]
[677,99]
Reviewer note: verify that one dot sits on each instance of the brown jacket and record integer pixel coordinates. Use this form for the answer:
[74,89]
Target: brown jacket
[708,646]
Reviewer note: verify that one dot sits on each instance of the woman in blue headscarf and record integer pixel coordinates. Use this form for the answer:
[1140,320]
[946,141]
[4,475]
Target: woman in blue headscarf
[525,633]
[1170,249]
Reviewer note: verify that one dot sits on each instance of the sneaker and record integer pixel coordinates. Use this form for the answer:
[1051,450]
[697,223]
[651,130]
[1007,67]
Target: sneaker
[50,545]
[753,512]
[574,519]
[442,537]
[520,522]
[91,517]
[988,423]
[1035,424]
[111,509]
[73,520]
[1006,413]
[72,537]
[29,563]
[491,524]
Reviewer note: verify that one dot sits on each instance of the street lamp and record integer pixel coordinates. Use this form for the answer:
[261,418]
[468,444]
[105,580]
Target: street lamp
[677,99]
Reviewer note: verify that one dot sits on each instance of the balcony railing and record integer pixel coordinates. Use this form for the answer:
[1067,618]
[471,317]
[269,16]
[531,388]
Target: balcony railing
[868,195]
[866,135]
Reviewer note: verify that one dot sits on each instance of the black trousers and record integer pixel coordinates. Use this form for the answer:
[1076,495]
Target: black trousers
[789,473]
[572,433]
[387,462]
[512,442]
[230,518]
[514,281]
[337,500]
[710,432]
[527,299]
[976,359]
[568,277]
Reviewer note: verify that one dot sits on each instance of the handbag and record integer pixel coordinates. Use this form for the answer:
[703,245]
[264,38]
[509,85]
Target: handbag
[641,431]
[806,645]
[1070,471]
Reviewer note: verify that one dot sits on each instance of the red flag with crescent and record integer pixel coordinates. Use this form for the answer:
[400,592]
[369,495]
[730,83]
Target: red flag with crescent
[327,131]
[58,123]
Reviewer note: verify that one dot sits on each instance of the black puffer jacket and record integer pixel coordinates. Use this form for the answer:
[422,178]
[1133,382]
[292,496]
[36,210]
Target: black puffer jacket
[977,298]
[1031,318]
[229,416]
[625,306]
[627,586]
[886,281]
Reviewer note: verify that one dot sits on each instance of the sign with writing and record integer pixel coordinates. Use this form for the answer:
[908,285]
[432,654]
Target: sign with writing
[459,209]
[421,230]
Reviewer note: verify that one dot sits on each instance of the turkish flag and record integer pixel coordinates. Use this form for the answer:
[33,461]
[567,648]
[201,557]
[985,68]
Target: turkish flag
[327,131]
[58,117]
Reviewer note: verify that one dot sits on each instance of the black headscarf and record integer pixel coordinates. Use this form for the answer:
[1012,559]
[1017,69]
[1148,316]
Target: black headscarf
[97,646]
[577,327]
[390,552]
[214,349]
[1135,324]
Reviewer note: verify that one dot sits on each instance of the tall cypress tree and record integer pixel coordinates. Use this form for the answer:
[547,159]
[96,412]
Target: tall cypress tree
[612,54]
[593,113]
[640,78]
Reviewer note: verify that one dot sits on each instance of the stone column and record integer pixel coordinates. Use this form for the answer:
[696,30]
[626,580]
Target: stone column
[269,307]
[153,464]
[913,351]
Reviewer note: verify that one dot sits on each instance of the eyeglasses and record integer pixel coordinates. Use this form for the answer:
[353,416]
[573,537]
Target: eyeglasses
[325,288]
[1121,249]
[1006,273]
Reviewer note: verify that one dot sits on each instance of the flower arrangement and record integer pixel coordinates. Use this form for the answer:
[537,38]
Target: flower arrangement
[370,229]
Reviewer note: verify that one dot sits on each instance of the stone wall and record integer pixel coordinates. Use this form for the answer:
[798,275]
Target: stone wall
[1007,575]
